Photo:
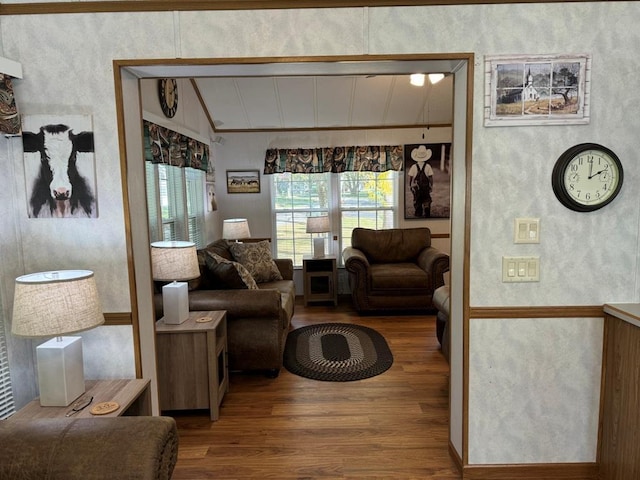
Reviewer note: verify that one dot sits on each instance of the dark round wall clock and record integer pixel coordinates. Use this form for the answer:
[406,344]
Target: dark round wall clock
[587,177]
[168,95]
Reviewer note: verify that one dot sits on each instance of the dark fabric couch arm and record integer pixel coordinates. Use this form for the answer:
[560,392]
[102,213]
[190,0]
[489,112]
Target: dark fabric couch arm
[436,263]
[285,265]
[354,260]
[144,448]
[239,303]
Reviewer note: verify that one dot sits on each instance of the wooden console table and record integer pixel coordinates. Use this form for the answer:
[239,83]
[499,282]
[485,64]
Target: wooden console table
[192,362]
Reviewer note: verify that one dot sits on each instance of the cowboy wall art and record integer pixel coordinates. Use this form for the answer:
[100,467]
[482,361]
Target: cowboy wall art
[427,180]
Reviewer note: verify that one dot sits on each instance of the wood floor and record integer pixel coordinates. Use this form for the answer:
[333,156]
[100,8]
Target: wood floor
[393,426]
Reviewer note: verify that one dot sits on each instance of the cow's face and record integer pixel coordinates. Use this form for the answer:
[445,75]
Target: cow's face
[58,149]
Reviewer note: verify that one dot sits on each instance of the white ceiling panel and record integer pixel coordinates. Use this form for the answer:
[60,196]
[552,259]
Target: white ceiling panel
[333,100]
[338,101]
[297,100]
[371,99]
[259,100]
[222,100]
[406,103]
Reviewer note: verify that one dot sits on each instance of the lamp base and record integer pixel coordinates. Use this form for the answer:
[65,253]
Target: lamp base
[60,371]
[175,302]
[318,247]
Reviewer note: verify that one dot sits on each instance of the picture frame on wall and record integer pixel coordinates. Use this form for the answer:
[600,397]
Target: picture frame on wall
[243,181]
[537,90]
[51,144]
[427,181]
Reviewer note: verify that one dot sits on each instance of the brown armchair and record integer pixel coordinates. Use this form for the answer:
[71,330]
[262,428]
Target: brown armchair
[394,269]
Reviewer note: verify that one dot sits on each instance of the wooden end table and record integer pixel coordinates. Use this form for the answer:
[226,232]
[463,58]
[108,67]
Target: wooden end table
[192,362]
[132,395]
[320,279]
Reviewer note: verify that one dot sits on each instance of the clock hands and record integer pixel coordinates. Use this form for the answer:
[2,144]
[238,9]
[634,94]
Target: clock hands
[596,174]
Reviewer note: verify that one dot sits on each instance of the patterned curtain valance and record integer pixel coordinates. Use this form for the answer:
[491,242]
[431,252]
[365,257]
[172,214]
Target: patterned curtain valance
[9,118]
[333,159]
[162,145]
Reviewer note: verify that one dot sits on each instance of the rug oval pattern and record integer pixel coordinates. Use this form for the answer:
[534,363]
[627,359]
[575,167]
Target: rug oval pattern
[336,352]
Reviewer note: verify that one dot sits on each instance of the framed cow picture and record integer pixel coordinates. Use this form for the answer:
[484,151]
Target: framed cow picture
[243,181]
[59,166]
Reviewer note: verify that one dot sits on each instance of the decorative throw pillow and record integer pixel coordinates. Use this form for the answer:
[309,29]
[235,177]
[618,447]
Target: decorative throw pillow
[229,273]
[256,257]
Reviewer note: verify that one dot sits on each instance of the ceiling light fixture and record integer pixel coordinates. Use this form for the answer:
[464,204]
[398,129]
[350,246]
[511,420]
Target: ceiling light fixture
[435,77]
[417,79]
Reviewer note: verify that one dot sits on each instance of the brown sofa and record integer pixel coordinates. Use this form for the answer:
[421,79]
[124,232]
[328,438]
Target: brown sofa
[394,270]
[257,320]
[140,448]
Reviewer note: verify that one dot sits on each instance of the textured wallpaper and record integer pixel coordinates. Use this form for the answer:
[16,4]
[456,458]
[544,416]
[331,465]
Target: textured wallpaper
[586,259]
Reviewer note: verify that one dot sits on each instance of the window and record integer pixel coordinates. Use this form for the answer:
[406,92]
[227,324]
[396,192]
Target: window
[367,199]
[351,199]
[175,200]
[7,406]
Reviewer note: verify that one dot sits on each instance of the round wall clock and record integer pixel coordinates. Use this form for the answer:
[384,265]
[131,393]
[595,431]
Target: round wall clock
[587,177]
[168,94]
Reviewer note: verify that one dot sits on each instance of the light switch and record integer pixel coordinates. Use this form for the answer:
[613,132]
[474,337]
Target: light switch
[520,269]
[527,230]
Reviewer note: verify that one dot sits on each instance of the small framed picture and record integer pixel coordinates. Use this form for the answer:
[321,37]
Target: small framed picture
[537,90]
[243,181]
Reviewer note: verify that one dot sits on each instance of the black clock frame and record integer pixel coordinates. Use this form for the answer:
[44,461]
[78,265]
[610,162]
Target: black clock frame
[557,177]
[166,109]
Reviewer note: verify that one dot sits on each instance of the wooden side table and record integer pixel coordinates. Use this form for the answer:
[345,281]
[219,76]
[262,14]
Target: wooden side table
[132,395]
[192,362]
[320,279]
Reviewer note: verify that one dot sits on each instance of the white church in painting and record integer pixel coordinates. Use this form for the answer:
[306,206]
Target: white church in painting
[528,92]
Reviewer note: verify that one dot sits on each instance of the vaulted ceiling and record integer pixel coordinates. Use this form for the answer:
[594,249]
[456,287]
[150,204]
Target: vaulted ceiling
[324,102]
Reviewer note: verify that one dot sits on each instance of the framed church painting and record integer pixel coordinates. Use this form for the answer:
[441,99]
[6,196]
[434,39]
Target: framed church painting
[537,90]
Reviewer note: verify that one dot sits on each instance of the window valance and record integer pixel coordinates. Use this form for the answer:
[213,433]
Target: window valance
[163,145]
[9,118]
[368,158]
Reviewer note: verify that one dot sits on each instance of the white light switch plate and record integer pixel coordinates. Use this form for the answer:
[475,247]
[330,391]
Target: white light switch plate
[520,269]
[526,230]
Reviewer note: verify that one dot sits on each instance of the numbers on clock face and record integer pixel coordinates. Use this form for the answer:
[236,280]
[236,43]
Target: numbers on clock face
[591,177]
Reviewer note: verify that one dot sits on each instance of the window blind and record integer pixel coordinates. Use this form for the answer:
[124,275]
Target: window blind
[7,406]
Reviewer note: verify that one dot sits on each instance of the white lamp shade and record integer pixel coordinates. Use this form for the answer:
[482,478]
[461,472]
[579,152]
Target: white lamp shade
[56,303]
[235,228]
[172,261]
[318,224]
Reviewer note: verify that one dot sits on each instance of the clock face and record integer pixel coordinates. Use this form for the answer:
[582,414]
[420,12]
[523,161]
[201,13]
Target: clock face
[168,95]
[587,177]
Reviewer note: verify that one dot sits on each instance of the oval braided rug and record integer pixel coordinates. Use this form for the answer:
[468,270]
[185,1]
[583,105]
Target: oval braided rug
[336,352]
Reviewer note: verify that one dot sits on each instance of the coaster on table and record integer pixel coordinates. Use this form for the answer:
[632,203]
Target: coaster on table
[203,319]
[103,408]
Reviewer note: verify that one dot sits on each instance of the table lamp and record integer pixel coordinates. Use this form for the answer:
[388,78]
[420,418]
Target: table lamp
[318,225]
[54,304]
[235,229]
[174,262]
